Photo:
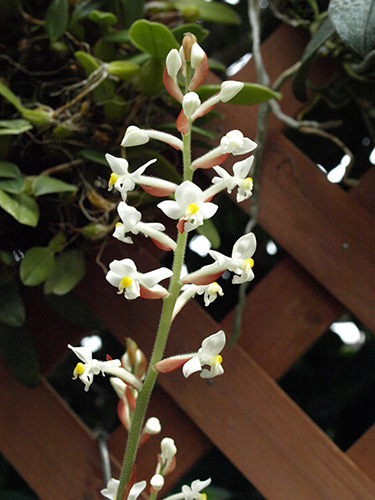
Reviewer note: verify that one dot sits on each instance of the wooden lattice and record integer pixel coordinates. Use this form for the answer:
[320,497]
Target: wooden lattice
[328,235]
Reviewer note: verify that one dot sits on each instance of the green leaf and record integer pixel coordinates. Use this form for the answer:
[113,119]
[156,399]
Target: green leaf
[354,21]
[153,38]
[311,52]
[14,127]
[121,36]
[83,9]
[10,97]
[94,156]
[131,11]
[194,28]
[70,269]
[18,350]
[213,12]
[252,93]
[12,310]
[14,186]
[9,170]
[124,70]
[43,184]
[104,18]
[209,230]
[151,76]
[20,206]
[37,265]
[56,19]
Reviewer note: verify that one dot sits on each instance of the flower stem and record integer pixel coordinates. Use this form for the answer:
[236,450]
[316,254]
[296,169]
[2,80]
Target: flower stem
[160,341]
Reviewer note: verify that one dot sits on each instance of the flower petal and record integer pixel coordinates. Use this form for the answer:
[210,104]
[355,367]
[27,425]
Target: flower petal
[191,366]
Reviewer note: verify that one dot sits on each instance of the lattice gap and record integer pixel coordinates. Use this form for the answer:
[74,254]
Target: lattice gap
[334,382]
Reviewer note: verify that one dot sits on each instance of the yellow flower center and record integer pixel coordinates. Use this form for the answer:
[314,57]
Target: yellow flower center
[247,264]
[202,496]
[124,283]
[216,360]
[192,209]
[113,179]
[118,224]
[79,369]
[247,183]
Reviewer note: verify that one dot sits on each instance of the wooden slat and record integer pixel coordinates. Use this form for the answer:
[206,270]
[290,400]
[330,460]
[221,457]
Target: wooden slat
[48,445]
[285,314]
[260,429]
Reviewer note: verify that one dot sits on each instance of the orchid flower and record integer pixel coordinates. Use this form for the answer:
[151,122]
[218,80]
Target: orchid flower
[88,367]
[121,178]
[209,292]
[233,142]
[111,491]
[189,207]
[191,493]
[208,354]
[123,275]
[240,263]
[135,136]
[166,459]
[226,181]
[131,222]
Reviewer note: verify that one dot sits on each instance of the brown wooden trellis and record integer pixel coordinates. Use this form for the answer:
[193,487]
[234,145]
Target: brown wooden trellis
[328,235]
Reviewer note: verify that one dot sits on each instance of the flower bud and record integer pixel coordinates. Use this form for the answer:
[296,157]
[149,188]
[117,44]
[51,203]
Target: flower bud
[152,426]
[173,63]
[196,56]
[188,42]
[157,482]
[230,89]
[168,448]
[190,103]
[118,385]
[134,136]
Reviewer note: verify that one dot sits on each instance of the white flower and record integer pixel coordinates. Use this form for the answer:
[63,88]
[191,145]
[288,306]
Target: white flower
[240,263]
[111,491]
[209,292]
[189,207]
[131,222]
[233,142]
[123,275]
[135,136]
[90,367]
[208,354]
[166,459]
[121,178]
[240,179]
[191,493]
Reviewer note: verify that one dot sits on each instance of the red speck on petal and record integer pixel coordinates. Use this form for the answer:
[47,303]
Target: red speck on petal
[203,280]
[211,162]
[170,364]
[171,86]
[157,191]
[181,226]
[123,414]
[182,123]
[166,248]
[146,293]
[130,398]
[200,74]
